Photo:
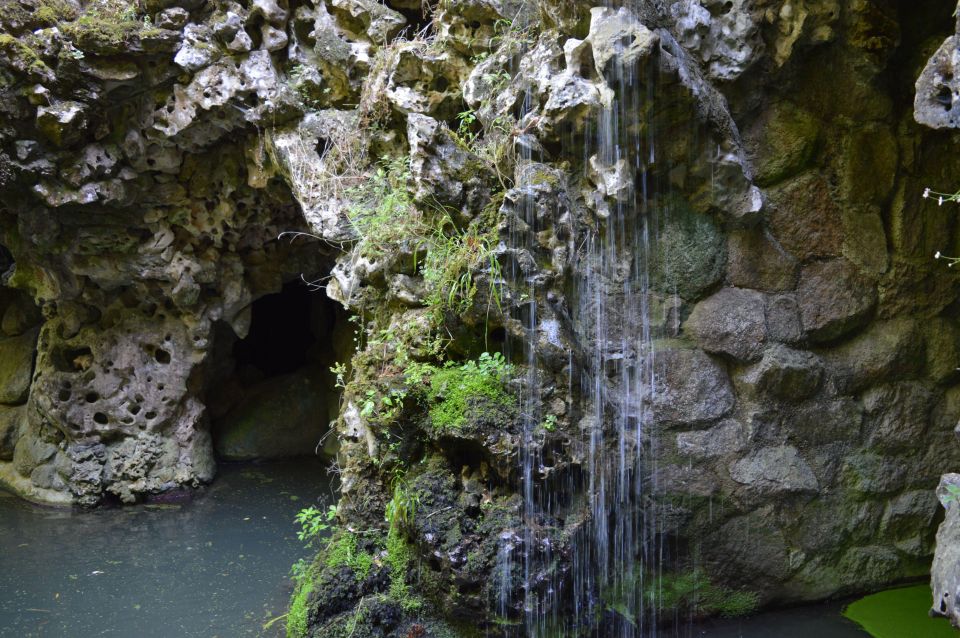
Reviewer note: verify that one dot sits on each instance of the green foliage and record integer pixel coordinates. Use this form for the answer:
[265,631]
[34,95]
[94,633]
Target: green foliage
[314,522]
[297,616]
[403,505]
[549,423]
[692,593]
[952,495]
[107,26]
[451,390]
[451,261]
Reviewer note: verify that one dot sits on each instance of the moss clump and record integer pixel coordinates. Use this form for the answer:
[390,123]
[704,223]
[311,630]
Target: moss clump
[343,551]
[297,617]
[454,391]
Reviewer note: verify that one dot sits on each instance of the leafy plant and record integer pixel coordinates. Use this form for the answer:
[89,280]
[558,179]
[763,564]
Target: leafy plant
[314,522]
[402,507]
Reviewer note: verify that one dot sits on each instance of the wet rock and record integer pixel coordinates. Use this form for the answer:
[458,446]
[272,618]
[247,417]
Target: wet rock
[20,316]
[865,239]
[824,421]
[834,299]
[281,417]
[784,373]
[942,339]
[870,473]
[945,573]
[618,35]
[728,437]
[761,562]
[782,142]
[690,254]
[804,218]
[757,261]
[691,388]
[732,322]
[897,415]
[887,349]
[16,367]
[783,319]
[775,470]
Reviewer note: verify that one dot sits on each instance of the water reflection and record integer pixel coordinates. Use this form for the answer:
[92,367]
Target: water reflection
[213,566]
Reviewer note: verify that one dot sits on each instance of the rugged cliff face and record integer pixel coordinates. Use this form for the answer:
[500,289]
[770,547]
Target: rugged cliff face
[449,163]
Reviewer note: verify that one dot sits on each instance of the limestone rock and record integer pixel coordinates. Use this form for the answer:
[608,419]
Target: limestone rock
[834,299]
[887,349]
[775,470]
[61,123]
[897,415]
[732,322]
[804,217]
[782,142]
[945,573]
[938,88]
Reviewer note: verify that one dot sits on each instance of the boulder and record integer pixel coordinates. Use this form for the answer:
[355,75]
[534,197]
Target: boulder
[757,261]
[886,350]
[897,415]
[283,416]
[16,367]
[690,255]
[691,388]
[804,217]
[731,321]
[775,470]
[781,142]
[834,299]
[785,373]
[728,437]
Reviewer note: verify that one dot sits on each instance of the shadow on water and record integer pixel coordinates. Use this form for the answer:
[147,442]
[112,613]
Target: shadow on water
[810,621]
[216,565]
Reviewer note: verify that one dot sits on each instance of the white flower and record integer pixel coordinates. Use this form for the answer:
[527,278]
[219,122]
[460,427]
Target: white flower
[926,193]
[937,256]
[940,201]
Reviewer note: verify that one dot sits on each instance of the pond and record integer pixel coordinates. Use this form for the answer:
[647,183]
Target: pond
[216,565]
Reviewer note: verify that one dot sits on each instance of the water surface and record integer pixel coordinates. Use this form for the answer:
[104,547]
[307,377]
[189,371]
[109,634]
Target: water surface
[216,566]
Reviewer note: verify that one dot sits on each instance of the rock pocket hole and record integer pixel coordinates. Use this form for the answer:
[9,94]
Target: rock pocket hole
[100,418]
[92,397]
[162,356]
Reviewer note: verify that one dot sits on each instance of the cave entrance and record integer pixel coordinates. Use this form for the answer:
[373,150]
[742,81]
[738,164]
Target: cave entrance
[272,393]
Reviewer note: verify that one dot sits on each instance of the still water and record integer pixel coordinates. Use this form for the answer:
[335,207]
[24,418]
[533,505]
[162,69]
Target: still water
[216,566]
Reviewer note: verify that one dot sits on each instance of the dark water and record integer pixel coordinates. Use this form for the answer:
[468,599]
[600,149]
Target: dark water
[812,621]
[215,566]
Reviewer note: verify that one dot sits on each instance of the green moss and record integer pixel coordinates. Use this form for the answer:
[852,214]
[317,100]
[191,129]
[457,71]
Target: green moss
[399,556]
[454,391]
[343,551]
[899,612]
[297,617]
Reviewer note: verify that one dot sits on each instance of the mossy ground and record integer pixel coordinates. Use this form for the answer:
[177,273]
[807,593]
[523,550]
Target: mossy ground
[899,613]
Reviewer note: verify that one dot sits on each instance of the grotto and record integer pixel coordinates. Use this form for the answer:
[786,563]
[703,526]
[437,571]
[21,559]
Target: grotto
[500,318]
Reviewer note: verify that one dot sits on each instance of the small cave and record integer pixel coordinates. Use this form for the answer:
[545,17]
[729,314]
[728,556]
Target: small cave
[271,393]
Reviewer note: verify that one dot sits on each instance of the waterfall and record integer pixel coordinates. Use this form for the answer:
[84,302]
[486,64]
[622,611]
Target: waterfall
[615,543]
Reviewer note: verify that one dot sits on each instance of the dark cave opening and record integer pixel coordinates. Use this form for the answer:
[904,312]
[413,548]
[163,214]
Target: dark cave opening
[283,330]
[271,393]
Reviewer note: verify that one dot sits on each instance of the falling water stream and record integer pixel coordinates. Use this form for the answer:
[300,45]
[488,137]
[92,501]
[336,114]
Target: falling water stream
[619,551]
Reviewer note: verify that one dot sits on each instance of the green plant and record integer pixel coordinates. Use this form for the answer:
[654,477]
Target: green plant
[452,259]
[549,423]
[402,507]
[399,556]
[450,391]
[314,522]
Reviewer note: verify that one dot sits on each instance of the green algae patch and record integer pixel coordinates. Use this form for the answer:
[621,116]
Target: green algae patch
[899,613]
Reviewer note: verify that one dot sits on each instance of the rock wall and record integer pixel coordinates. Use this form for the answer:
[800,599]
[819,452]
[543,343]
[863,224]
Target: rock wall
[807,384]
